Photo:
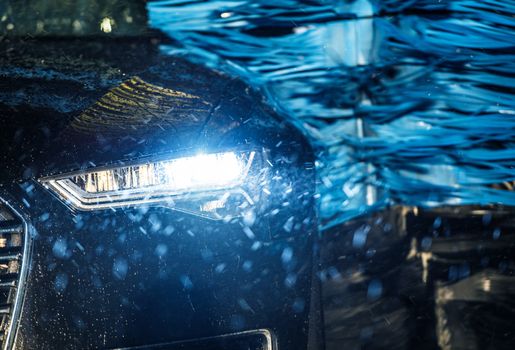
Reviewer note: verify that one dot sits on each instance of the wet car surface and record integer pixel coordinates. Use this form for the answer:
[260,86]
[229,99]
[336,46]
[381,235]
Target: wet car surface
[255,272]
[143,275]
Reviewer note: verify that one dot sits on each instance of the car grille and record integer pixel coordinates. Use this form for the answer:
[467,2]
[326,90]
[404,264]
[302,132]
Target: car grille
[12,250]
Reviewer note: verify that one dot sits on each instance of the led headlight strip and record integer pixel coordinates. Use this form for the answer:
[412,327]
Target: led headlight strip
[152,181]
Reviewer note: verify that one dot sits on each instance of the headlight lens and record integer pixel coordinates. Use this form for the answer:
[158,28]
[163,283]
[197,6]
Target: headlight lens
[154,181]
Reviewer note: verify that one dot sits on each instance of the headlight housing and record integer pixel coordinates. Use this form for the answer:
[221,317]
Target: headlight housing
[206,181]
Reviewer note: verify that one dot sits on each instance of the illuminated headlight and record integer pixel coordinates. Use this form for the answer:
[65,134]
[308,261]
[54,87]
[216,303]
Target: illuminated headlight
[209,176]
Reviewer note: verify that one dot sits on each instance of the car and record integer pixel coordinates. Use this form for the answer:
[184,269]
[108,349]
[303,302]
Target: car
[175,206]
[149,202]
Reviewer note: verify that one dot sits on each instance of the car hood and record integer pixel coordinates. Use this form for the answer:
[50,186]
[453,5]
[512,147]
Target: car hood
[71,104]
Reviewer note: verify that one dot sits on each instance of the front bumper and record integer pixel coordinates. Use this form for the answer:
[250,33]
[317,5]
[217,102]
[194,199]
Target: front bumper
[149,275]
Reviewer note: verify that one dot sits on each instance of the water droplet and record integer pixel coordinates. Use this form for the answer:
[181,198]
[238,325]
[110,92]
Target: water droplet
[290,280]
[60,282]
[287,255]
[375,289]
[487,219]
[426,243]
[360,237]
[60,249]
[186,282]
[298,305]
[247,266]
[288,225]
[220,268]
[120,268]
[237,322]
[161,250]
[437,223]
[249,217]
[248,232]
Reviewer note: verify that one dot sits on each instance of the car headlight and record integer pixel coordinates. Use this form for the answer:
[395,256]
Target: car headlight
[206,181]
